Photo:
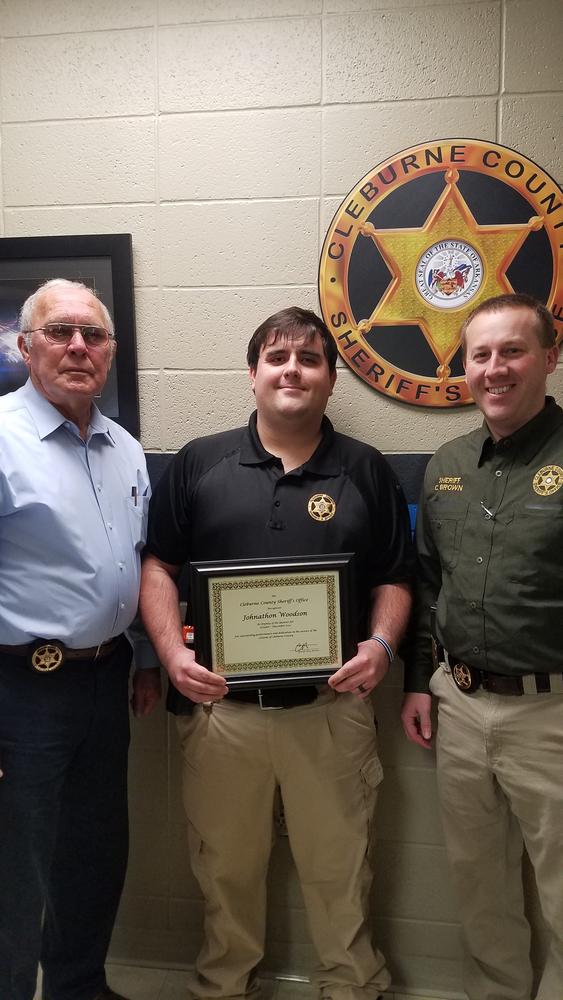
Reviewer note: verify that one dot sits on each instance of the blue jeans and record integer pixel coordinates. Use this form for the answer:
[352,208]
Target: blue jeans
[63,820]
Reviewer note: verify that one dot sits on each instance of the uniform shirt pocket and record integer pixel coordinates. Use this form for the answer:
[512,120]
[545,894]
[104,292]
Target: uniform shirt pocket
[533,540]
[447,521]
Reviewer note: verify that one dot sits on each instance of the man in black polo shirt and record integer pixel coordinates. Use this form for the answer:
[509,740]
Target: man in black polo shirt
[248,493]
[490,541]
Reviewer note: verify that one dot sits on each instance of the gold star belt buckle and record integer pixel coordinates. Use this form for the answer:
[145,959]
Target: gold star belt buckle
[46,655]
[465,678]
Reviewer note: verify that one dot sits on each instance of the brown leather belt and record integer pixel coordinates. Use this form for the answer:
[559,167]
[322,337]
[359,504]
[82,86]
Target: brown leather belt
[47,655]
[468,679]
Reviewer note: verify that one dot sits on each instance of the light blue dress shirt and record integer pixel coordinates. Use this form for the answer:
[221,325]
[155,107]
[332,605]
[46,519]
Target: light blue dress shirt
[73,517]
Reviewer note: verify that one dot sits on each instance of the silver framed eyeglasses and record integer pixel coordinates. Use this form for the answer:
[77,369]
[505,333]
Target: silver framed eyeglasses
[62,333]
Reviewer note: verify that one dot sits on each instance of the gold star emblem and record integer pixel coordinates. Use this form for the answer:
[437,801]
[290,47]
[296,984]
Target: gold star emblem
[321,507]
[450,229]
[47,657]
[548,480]
[462,677]
[404,261]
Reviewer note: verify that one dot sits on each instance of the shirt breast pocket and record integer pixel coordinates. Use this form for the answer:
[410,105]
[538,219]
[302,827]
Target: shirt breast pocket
[137,515]
[447,520]
[533,541]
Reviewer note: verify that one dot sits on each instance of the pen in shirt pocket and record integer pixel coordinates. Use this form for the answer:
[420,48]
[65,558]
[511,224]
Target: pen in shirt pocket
[134,494]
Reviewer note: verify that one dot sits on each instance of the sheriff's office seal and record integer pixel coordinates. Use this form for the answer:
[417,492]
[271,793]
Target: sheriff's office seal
[418,243]
[548,480]
[321,507]
[449,274]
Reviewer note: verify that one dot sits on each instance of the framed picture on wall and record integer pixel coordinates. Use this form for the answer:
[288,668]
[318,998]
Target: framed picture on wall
[104,263]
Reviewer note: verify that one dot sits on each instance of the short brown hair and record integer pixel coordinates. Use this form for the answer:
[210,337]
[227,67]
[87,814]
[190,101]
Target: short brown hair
[545,327]
[289,324]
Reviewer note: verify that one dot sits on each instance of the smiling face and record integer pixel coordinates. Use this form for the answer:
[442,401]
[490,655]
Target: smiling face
[292,381]
[506,368]
[70,375]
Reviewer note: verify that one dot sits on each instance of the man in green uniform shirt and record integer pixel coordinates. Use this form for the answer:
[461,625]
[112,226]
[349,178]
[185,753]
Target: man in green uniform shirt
[490,544]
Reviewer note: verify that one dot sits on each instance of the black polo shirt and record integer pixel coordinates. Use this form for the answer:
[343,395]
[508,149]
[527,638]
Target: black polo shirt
[226,497]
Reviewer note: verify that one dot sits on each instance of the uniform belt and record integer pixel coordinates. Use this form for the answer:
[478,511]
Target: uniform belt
[276,697]
[47,655]
[469,679]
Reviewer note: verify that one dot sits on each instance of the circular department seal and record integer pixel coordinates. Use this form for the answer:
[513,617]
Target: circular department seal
[548,480]
[321,507]
[418,243]
[449,274]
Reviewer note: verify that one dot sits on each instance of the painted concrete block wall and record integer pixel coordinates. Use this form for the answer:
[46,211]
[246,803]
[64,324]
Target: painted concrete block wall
[223,134]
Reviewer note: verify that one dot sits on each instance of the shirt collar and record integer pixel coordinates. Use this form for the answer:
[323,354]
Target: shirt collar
[323,461]
[99,424]
[527,440]
[47,418]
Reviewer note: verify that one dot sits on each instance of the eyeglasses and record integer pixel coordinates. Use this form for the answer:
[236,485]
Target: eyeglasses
[62,334]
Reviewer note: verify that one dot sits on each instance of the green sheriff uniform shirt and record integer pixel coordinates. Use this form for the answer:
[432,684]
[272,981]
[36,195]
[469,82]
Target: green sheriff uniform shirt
[490,551]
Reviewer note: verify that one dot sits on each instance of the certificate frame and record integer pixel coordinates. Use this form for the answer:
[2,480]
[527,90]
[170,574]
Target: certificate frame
[215,585]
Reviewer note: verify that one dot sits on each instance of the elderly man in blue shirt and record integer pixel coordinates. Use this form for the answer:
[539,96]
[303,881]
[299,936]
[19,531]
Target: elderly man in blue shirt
[73,497]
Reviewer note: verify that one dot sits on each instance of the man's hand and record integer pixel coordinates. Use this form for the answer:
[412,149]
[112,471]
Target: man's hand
[193,680]
[146,691]
[363,672]
[415,716]
[160,611]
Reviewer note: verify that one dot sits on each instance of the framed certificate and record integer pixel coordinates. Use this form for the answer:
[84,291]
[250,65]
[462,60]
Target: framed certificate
[272,622]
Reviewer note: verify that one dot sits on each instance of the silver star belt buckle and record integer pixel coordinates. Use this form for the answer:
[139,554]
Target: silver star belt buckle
[46,655]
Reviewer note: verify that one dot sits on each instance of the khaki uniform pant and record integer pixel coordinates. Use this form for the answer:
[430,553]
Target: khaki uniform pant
[500,779]
[323,757]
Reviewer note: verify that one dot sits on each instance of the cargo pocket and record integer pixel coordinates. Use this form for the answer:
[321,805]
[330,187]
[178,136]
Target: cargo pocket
[371,774]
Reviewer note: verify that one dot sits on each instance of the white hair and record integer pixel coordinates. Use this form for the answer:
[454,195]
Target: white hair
[30,305]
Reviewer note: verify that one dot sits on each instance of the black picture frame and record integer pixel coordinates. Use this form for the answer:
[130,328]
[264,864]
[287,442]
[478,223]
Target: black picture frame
[303,568]
[104,263]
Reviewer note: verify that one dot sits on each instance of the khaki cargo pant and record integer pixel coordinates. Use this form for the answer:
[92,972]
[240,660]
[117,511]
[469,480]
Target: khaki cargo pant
[324,758]
[500,779]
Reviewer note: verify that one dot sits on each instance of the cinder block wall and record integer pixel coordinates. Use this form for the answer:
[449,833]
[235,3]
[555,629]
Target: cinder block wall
[223,135]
